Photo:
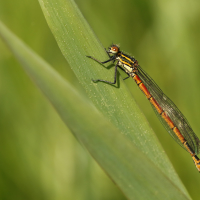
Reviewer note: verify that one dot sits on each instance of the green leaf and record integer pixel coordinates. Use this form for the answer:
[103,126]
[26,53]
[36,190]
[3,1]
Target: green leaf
[134,172]
[76,39]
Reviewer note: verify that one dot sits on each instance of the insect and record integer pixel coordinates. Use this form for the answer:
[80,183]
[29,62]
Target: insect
[167,112]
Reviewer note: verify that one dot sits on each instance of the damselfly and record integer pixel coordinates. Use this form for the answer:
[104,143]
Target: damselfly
[169,115]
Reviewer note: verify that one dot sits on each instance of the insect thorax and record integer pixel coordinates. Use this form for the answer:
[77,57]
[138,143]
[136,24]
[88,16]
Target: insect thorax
[127,63]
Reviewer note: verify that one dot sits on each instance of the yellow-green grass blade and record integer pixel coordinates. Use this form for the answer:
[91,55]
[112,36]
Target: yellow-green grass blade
[76,40]
[130,169]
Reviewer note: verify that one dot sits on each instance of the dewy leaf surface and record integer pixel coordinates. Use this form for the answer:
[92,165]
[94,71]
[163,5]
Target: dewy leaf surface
[76,40]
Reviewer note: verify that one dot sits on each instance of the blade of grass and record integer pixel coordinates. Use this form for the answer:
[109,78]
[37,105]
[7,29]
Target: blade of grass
[122,161]
[76,39]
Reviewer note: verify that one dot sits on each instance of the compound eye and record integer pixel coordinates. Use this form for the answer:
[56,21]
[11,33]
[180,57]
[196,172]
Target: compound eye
[114,49]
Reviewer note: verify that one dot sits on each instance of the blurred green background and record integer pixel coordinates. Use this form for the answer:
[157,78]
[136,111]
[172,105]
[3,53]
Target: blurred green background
[39,157]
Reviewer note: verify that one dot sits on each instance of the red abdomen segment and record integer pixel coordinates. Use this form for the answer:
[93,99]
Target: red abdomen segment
[167,119]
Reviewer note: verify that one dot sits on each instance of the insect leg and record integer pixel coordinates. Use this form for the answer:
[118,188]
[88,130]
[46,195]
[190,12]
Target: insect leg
[115,77]
[126,77]
[111,58]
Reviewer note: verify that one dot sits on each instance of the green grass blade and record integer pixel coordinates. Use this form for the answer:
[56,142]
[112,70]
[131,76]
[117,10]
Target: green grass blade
[76,39]
[122,161]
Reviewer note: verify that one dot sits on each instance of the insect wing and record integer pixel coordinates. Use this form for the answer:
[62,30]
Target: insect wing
[172,111]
